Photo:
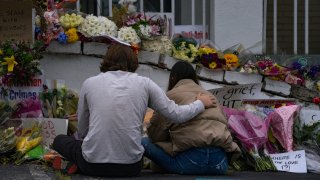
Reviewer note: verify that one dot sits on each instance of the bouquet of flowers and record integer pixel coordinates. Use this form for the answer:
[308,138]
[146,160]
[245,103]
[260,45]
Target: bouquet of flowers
[270,68]
[184,48]
[147,28]
[19,62]
[162,45]
[251,131]
[98,26]
[209,57]
[129,35]
[58,103]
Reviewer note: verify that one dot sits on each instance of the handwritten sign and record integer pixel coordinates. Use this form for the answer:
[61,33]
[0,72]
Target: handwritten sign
[16,20]
[294,161]
[51,127]
[232,96]
[308,117]
[266,102]
[23,91]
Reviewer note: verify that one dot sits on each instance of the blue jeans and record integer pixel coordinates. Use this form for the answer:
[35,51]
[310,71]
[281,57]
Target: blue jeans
[198,160]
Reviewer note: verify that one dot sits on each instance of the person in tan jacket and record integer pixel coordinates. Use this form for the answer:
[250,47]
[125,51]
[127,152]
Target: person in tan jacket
[203,145]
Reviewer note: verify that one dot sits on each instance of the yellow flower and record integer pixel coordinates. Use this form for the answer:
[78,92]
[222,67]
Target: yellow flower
[213,65]
[231,58]
[206,50]
[72,35]
[231,61]
[1,52]
[10,61]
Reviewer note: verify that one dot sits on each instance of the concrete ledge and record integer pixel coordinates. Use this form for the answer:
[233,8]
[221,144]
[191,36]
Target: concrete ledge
[233,77]
[94,48]
[215,75]
[169,61]
[209,85]
[56,47]
[277,87]
[149,57]
[303,93]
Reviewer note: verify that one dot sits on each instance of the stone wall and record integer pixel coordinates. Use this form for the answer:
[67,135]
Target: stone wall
[76,62]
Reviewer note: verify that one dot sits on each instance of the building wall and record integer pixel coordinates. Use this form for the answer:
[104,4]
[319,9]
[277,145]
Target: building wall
[234,21]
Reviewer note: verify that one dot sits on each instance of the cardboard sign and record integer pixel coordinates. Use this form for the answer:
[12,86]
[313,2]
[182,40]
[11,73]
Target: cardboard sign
[308,117]
[232,96]
[16,20]
[51,127]
[294,161]
[23,91]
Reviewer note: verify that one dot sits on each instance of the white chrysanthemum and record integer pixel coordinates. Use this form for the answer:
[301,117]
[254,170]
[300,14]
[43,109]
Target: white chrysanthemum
[128,34]
[145,31]
[162,45]
[97,26]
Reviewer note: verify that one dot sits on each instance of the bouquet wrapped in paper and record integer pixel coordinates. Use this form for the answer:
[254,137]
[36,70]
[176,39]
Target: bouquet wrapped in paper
[251,131]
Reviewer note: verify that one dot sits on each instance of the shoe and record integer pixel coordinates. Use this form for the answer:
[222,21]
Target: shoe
[64,166]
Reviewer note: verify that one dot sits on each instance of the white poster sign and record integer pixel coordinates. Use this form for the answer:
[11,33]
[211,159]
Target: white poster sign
[232,96]
[23,91]
[192,31]
[51,127]
[308,117]
[294,161]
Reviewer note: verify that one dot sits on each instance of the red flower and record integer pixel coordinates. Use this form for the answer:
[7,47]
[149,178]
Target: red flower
[316,100]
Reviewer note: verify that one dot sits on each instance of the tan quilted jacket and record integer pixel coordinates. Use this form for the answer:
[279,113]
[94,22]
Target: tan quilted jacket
[207,129]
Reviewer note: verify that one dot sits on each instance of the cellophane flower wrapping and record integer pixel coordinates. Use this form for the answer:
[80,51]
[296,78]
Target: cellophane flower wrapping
[28,108]
[251,130]
[210,56]
[184,48]
[162,45]
[7,108]
[281,122]
[147,28]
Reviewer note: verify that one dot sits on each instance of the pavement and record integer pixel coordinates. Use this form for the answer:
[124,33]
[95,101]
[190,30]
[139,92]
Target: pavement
[29,171]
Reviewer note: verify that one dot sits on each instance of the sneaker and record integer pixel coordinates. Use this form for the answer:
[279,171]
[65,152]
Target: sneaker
[64,166]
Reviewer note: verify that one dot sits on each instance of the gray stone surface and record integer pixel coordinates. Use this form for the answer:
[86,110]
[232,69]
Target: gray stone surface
[148,57]
[169,61]
[233,77]
[214,75]
[56,47]
[277,87]
[95,48]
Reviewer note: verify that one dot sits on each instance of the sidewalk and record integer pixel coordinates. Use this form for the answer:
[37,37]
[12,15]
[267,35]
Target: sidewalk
[40,172]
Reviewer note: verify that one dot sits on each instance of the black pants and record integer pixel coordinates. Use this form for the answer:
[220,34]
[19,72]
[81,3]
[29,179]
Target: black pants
[70,149]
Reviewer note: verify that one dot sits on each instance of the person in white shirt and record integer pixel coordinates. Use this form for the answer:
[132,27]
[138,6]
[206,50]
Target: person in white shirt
[111,110]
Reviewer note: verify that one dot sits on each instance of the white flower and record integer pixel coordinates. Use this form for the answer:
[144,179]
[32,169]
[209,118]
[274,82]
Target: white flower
[128,34]
[96,26]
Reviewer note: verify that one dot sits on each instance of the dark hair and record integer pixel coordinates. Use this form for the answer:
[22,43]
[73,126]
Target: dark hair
[119,57]
[181,70]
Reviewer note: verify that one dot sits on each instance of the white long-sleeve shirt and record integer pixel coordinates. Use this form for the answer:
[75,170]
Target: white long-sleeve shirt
[111,110]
